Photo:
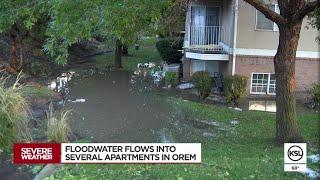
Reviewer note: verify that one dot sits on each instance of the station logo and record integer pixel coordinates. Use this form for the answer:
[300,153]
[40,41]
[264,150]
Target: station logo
[295,157]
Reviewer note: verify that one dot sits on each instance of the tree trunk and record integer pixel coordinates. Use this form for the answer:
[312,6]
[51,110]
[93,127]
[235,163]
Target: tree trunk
[13,51]
[284,62]
[118,55]
[21,62]
[125,50]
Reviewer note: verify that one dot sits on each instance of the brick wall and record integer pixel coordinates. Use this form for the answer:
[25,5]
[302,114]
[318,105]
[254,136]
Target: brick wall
[186,63]
[307,70]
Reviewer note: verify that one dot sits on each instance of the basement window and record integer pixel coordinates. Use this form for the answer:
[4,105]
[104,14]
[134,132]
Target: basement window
[263,83]
[263,23]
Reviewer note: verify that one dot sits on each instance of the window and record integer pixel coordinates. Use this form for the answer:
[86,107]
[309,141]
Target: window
[272,84]
[205,16]
[197,65]
[262,23]
[263,83]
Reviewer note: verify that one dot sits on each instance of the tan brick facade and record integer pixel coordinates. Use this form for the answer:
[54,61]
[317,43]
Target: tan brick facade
[307,70]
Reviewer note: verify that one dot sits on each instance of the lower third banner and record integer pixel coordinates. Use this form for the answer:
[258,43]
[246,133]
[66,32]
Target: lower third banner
[112,153]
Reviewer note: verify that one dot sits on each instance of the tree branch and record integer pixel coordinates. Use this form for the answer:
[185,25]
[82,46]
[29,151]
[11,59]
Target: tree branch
[306,9]
[263,8]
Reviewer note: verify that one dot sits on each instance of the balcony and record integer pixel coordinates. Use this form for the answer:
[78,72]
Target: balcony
[209,39]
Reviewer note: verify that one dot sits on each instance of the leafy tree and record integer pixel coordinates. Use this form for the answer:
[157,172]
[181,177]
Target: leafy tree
[120,19]
[289,21]
[314,20]
[172,19]
[17,18]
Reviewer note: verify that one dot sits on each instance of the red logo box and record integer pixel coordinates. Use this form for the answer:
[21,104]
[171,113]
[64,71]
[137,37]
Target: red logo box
[33,153]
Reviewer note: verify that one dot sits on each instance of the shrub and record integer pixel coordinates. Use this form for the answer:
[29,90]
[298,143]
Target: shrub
[235,88]
[13,114]
[170,78]
[168,49]
[58,129]
[40,69]
[203,83]
[315,90]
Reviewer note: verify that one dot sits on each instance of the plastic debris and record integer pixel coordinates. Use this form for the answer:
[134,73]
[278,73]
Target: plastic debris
[185,86]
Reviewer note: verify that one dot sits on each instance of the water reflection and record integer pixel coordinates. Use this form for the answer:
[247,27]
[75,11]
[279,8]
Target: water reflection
[269,106]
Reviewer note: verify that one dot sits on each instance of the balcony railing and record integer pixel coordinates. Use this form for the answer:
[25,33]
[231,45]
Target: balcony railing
[207,38]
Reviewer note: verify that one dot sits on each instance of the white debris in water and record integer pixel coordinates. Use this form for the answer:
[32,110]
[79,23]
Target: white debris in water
[77,101]
[185,86]
[149,69]
[157,76]
[311,173]
[237,109]
[208,134]
[314,158]
[146,65]
[214,123]
[52,85]
[165,136]
[61,102]
[234,122]
[60,84]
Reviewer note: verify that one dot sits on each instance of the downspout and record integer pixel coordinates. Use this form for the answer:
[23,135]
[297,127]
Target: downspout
[235,29]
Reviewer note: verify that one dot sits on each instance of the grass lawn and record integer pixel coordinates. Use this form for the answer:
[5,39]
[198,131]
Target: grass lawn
[246,152]
[146,53]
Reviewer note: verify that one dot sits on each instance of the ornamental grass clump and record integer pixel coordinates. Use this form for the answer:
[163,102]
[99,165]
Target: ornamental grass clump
[58,129]
[13,114]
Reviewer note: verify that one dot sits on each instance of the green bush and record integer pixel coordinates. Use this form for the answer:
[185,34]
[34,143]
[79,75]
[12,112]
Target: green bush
[203,83]
[40,69]
[170,78]
[13,115]
[315,90]
[168,49]
[235,88]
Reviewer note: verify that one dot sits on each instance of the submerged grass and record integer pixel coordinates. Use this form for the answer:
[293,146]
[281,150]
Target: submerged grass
[39,92]
[13,114]
[146,53]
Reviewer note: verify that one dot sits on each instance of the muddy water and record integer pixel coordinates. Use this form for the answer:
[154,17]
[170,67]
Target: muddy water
[110,111]
[118,106]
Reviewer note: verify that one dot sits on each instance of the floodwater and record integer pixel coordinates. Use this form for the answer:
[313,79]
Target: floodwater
[263,105]
[117,106]
[110,111]
[269,105]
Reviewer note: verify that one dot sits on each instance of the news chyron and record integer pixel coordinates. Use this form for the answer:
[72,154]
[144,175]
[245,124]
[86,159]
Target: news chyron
[108,153]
